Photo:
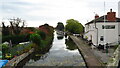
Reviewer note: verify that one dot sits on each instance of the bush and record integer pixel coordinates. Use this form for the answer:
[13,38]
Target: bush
[31,28]
[16,38]
[35,38]
[4,46]
[5,49]
[41,33]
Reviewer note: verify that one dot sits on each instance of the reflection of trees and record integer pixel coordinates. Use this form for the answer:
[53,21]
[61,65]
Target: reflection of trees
[37,56]
[60,26]
[70,44]
[40,54]
[60,37]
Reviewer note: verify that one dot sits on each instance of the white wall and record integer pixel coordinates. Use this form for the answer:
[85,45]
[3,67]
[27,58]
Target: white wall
[110,35]
[119,31]
[90,32]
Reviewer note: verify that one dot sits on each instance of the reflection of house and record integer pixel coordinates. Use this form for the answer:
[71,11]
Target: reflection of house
[103,29]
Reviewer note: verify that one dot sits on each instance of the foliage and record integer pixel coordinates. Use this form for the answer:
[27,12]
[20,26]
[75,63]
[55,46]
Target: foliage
[4,50]
[16,38]
[60,26]
[47,29]
[41,33]
[14,28]
[4,46]
[74,26]
[70,44]
[31,28]
[35,38]
[5,31]
[41,38]
[47,41]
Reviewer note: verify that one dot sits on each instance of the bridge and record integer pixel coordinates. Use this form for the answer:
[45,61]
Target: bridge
[91,60]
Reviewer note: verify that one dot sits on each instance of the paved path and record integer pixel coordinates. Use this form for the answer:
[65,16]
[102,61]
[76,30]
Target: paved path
[91,60]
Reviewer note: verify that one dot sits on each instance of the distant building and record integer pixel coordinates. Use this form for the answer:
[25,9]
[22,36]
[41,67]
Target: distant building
[119,9]
[104,29]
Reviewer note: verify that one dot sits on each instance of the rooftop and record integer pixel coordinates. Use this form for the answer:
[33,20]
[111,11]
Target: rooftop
[110,17]
[101,19]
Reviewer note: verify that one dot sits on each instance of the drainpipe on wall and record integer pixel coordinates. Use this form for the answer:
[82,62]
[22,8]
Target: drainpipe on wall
[97,31]
[96,16]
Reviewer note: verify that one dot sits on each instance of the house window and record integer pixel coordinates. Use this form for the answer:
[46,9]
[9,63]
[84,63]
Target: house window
[101,38]
[108,26]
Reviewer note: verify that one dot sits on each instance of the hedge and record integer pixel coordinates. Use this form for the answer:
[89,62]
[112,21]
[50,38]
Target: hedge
[15,39]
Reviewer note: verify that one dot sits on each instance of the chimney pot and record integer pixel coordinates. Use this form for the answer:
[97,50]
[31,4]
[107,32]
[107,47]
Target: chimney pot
[110,10]
[96,16]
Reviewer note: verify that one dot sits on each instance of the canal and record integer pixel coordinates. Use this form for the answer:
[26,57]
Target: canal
[63,52]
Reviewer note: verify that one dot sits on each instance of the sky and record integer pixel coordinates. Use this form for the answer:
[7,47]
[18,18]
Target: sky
[39,12]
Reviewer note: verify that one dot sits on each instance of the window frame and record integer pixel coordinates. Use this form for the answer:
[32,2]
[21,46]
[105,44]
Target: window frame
[108,26]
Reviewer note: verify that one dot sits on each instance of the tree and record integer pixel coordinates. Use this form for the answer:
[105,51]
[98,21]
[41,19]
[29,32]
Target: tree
[74,26]
[48,30]
[5,30]
[16,22]
[35,38]
[41,33]
[15,25]
[60,26]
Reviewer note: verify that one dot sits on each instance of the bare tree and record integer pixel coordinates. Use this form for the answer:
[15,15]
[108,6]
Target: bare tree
[15,25]
[17,21]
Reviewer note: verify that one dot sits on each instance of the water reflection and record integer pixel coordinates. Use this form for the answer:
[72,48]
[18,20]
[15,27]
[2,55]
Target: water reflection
[60,37]
[70,44]
[37,56]
[62,53]
[34,57]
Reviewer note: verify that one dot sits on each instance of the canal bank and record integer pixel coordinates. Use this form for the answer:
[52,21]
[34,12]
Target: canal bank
[90,59]
[62,53]
[15,61]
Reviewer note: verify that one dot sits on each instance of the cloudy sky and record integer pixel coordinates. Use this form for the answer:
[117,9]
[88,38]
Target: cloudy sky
[38,12]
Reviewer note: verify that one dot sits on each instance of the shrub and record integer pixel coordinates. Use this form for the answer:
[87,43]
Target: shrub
[16,38]
[41,33]
[35,38]
[4,46]
[5,49]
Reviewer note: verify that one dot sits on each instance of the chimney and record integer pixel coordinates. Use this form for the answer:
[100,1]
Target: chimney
[96,16]
[111,16]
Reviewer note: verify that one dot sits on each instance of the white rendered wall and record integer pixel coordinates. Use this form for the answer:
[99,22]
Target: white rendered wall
[110,35]
[91,33]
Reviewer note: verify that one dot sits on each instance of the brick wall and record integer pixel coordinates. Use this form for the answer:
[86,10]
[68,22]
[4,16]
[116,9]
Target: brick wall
[111,16]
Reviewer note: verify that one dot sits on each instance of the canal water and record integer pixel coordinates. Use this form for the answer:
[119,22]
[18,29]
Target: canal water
[62,53]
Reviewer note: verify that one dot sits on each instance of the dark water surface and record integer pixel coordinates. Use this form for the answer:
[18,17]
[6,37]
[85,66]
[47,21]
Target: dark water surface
[62,53]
